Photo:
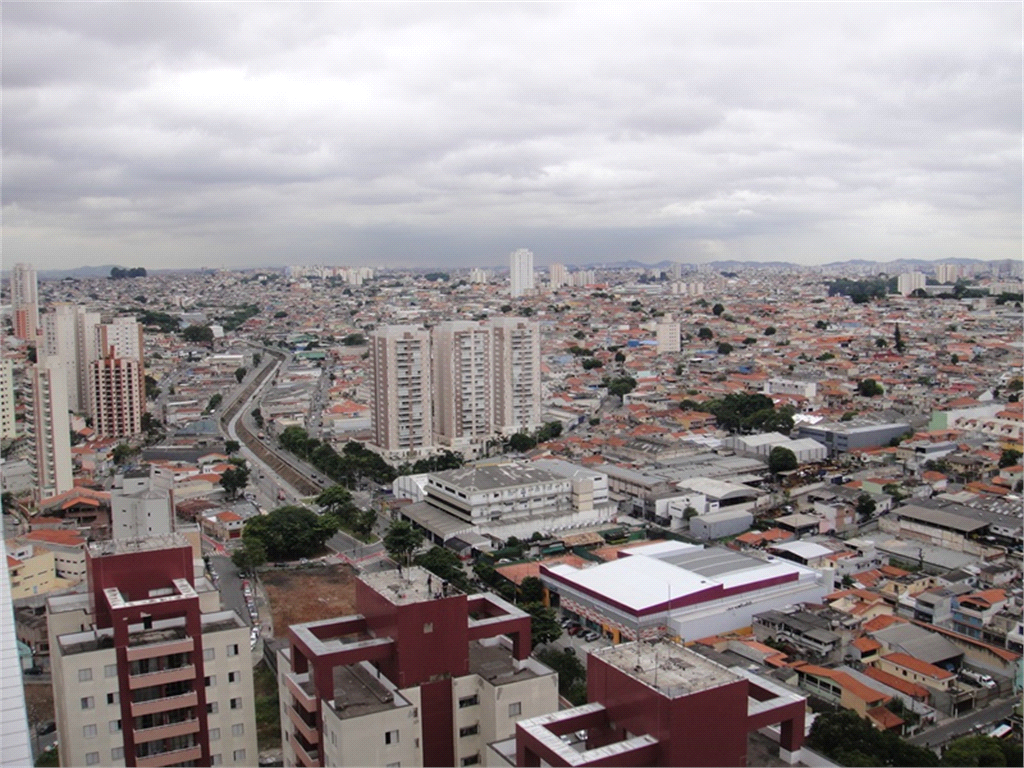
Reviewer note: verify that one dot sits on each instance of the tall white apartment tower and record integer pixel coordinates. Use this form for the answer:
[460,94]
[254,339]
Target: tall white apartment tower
[25,301]
[48,429]
[517,395]
[557,276]
[668,335]
[521,272]
[463,402]
[400,362]
[122,338]
[71,336]
[116,396]
[8,427]
[909,282]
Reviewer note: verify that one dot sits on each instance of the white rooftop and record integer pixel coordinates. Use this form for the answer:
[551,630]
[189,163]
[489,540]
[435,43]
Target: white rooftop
[805,549]
[637,582]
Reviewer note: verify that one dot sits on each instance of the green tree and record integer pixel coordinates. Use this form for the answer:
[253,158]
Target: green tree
[234,479]
[532,590]
[232,446]
[619,357]
[620,385]
[869,388]
[781,459]
[240,374]
[550,431]
[770,331]
[122,452]
[402,540]
[444,563]
[215,401]
[152,390]
[717,310]
[897,340]
[1010,457]
[569,668]
[589,363]
[954,358]
[354,340]
[544,627]
[724,348]
[977,751]
[705,333]
[821,325]
[198,334]
[848,739]
[250,556]
[256,358]
[522,442]
[290,532]
[865,507]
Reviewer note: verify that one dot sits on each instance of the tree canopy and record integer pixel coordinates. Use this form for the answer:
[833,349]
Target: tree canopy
[781,459]
[402,540]
[849,739]
[198,333]
[869,388]
[290,532]
[234,479]
[446,564]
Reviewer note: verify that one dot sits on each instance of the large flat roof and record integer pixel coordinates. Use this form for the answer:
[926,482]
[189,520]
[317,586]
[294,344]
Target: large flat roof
[941,518]
[493,477]
[671,669]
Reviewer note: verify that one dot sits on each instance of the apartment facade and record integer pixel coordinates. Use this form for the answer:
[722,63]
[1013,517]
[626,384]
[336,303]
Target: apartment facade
[462,384]
[517,392]
[147,670]
[48,429]
[421,675]
[25,301]
[8,424]
[117,396]
[521,273]
[401,415]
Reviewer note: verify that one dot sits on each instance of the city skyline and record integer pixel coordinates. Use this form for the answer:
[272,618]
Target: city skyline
[264,134]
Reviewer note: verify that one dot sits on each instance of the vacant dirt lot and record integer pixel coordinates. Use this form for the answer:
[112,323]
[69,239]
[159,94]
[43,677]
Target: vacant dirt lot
[308,594]
[39,702]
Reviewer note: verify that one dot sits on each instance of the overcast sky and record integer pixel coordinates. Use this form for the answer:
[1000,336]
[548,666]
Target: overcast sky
[246,134]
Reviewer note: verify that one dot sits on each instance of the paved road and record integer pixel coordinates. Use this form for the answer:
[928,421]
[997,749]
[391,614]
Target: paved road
[946,732]
[230,584]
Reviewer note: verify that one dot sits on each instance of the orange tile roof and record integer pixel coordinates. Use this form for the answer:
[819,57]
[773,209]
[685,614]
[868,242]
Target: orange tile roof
[881,622]
[900,684]
[56,536]
[866,644]
[921,667]
[848,682]
[885,719]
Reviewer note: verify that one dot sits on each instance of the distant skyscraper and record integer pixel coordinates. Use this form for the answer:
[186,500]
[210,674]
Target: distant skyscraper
[668,335]
[122,338]
[558,276]
[48,428]
[947,273]
[521,272]
[7,423]
[909,282]
[478,276]
[400,365]
[463,383]
[116,396]
[517,393]
[25,301]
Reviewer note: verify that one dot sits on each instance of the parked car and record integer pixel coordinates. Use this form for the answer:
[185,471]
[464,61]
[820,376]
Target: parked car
[44,728]
[574,629]
[591,636]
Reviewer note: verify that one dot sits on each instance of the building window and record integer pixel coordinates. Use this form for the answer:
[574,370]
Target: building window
[469,701]
[515,709]
[238,755]
[216,759]
[209,654]
[212,708]
[428,628]
[114,726]
[210,680]
[92,758]
[114,698]
[88,702]
[85,675]
[236,703]
[233,649]
[233,677]
[117,753]
[469,730]
[215,734]
[471,760]
[89,731]
[238,729]
[110,670]
[391,737]
[394,765]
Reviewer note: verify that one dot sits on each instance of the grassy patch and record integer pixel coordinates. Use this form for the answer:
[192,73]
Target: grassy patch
[268,710]
[51,758]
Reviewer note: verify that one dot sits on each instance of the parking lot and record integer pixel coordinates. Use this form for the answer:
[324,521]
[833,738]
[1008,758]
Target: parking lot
[577,642]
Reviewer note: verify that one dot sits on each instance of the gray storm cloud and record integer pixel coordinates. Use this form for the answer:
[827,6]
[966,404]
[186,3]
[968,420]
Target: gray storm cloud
[248,134]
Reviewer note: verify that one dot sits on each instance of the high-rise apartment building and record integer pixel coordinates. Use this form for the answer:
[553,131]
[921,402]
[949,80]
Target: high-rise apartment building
[668,335]
[420,675]
[25,301]
[142,505]
[48,429]
[116,396]
[909,282]
[947,274]
[401,369]
[462,383]
[123,338]
[59,340]
[8,426]
[521,273]
[75,338]
[557,276]
[517,393]
[147,669]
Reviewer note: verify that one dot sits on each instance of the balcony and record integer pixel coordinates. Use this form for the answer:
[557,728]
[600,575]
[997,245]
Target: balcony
[167,703]
[308,759]
[294,684]
[170,758]
[162,677]
[153,650]
[309,733]
[166,731]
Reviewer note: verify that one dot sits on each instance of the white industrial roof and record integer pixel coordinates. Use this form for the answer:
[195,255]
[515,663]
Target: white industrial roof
[805,549]
[636,582]
[661,548]
[717,489]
